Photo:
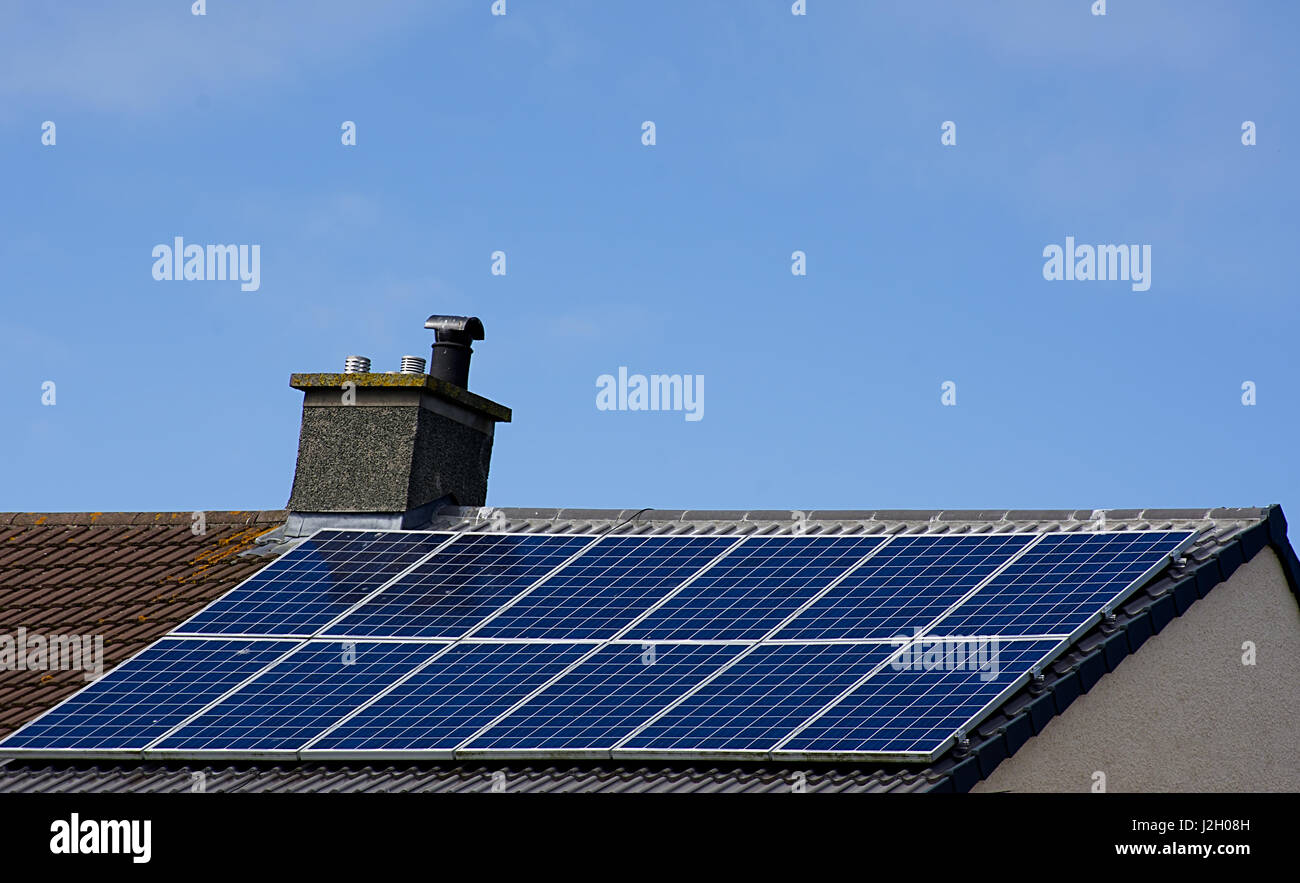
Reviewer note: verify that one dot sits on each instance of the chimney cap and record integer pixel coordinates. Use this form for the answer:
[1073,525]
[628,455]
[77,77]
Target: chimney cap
[464,327]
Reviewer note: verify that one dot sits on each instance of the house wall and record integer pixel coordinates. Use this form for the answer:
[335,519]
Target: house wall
[1184,713]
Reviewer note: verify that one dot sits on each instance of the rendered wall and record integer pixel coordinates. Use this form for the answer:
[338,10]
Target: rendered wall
[1184,713]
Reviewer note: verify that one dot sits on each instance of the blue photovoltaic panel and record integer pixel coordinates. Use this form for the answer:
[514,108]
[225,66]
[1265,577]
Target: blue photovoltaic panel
[761,699]
[317,581]
[404,697]
[606,587]
[749,592]
[455,590]
[903,587]
[606,697]
[453,697]
[287,706]
[147,695]
[916,705]
[1059,584]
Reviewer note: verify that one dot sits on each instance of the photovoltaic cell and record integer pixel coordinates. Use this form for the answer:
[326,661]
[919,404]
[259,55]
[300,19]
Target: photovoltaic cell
[752,589]
[606,697]
[760,700]
[147,695]
[307,587]
[455,590]
[400,696]
[918,704]
[606,587]
[453,697]
[1059,584]
[903,587]
[299,698]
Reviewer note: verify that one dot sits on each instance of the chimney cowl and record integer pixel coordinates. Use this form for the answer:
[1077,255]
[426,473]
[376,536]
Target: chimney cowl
[412,365]
[470,326]
[452,336]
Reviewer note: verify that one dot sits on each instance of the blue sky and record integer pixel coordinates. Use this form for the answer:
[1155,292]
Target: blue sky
[774,133]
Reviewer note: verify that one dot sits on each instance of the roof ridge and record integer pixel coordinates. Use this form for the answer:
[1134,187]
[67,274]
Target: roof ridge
[1252,513]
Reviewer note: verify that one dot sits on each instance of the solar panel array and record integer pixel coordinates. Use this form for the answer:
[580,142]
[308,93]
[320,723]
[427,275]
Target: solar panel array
[434,644]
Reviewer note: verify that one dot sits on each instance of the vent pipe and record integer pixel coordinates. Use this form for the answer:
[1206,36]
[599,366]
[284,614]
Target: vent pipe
[356,365]
[451,347]
[411,365]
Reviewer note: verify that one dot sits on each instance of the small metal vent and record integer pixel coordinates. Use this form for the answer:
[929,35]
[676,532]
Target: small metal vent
[412,365]
[356,365]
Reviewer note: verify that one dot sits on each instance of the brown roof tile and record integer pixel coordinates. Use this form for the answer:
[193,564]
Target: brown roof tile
[129,576]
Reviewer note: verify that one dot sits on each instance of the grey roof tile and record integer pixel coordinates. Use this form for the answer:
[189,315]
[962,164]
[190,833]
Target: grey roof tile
[153,776]
[1040,515]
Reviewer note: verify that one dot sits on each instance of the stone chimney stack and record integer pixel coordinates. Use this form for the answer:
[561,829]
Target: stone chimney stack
[387,446]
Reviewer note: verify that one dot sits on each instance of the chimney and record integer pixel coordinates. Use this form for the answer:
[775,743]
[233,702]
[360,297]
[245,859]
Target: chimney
[385,449]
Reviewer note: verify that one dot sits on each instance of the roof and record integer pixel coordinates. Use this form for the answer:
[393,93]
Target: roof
[128,576]
[141,574]
[450,778]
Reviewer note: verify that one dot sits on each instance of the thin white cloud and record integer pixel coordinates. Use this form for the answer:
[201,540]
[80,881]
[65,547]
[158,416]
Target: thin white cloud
[142,57]
[1172,33]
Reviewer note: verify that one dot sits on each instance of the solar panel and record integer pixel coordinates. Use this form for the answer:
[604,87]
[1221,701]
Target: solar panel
[753,588]
[307,587]
[456,589]
[917,704]
[450,699]
[527,645]
[1061,583]
[606,587]
[605,698]
[903,587]
[287,706]
[754,704]
[147,695]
